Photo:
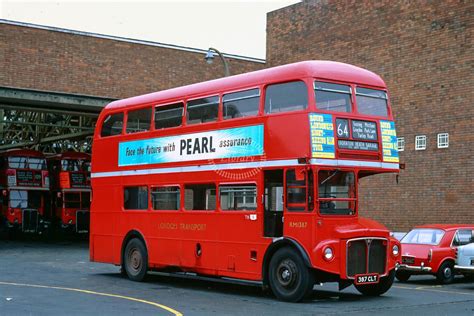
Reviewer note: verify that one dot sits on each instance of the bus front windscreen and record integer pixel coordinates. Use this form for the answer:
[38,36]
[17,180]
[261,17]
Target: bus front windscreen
[336,192]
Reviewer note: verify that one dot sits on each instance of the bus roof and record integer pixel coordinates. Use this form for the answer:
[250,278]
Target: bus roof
[70,155]
[22,152]
[316,68]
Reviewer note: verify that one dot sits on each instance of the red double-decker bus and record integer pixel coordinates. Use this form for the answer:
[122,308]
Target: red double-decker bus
[71,190]
[253,177]
[24,185]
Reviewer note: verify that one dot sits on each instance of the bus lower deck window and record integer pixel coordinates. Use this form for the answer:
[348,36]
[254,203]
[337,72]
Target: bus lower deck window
[200,197]
[238,197]
[135,198]
[336,192]
[165,198]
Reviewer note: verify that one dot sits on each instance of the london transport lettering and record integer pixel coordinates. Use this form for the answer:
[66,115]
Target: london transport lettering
[322,136]
[389,141]
[227,143]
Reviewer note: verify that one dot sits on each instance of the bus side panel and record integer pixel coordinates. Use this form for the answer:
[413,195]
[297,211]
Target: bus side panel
[103,222]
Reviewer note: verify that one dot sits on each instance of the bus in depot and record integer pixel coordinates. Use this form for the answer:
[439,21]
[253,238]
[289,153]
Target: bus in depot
[252,177]
[24,186]
[70,190]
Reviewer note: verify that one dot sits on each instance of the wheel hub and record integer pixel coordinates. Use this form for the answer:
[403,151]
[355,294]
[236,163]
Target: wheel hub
[447,272]
[135,259]
[287,273]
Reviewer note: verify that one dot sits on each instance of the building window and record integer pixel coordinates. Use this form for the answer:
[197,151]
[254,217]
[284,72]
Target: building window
[420,142]
[165,198]
[443,140]
[135,198]
[401,143]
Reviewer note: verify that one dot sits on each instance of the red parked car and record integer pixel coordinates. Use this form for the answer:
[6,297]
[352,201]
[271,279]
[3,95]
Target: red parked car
[430,249]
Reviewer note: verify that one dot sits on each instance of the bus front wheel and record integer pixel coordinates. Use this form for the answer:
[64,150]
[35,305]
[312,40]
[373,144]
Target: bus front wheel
[289,278]
[135,260]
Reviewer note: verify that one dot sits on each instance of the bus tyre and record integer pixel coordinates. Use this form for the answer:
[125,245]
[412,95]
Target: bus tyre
[383,286]
[445,274]
[135,260]
[402,276]
[290,279]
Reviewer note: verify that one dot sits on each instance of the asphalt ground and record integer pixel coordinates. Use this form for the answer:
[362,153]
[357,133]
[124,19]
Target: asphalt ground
[56,278]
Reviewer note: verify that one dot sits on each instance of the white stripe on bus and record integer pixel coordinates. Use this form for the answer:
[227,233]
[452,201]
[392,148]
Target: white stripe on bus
[247,165]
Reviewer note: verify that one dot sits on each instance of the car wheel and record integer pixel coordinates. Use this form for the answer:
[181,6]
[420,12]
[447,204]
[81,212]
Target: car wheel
[135,260]
[402,276]
[383,286]
[445,274]
[290,279]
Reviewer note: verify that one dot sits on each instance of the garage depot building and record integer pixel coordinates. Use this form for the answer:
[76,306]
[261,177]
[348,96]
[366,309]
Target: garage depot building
[424,54]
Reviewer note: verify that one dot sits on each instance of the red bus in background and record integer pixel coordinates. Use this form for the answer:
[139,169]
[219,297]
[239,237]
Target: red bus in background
[24,185]
[71,190]
[253,177]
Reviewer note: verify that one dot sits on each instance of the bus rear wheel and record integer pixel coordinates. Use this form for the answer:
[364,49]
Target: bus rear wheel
[289,278]
[383,286]
[135,260]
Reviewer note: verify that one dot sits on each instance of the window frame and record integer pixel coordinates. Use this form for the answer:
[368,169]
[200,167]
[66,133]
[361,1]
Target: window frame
[350,93]
[111,114]
[401,140]
[260,99]
[264,97]
[195,184]
[236,184]
[180,190]
[136,186]
[183,114]
[355,199]
[387,99]
[444,144]
[219,110]
[419,140]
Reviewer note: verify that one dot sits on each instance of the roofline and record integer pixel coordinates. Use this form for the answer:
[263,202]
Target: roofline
[128,40]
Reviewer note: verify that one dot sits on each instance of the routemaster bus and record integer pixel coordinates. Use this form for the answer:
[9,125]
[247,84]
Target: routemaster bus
[251,177]
[71,190]
[24,186]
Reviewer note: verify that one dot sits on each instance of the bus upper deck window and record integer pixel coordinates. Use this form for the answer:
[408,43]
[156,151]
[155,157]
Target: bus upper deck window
[241,104]
[170,115]
[138,120]
[112,125]
[332,97]
[202,110]
[371,102]
[285,97]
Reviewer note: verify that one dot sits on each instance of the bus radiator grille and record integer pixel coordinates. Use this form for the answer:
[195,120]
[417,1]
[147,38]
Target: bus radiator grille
[366,256]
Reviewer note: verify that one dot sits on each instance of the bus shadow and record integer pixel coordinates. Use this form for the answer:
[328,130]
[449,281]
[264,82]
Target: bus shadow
[160,282]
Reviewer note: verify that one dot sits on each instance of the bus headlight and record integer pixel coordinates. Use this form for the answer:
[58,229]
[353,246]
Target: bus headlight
[328,253]
[395,250]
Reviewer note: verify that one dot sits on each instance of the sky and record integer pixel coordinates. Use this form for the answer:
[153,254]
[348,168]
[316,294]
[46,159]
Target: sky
[233,27]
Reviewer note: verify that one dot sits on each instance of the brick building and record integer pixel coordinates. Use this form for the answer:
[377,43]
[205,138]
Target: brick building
[53,59]
[424,52]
